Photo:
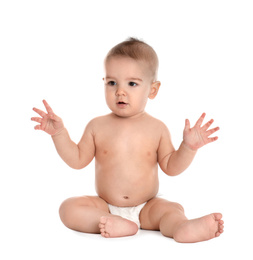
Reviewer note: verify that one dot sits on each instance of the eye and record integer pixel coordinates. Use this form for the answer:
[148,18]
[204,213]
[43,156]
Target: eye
[111,83]
[132,84]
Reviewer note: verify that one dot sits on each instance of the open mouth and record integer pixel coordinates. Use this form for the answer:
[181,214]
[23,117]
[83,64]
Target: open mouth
[122,104]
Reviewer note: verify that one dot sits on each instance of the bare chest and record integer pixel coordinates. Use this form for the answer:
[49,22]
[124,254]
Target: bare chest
[126,141]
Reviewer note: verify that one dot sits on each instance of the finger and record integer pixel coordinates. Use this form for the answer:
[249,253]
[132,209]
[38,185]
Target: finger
[187,124]
[38,127]
[212,139]
[200,120]
[211,131]
[36,119]
[40,112]
[207,125]
[50,111]
[48,108]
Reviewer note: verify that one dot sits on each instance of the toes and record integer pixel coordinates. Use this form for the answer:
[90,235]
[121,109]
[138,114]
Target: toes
[221,222]
[100,225]
[221,229]
[102,229]
[217,216]
[104,234]
[103,220]
[217,234]
[107,235]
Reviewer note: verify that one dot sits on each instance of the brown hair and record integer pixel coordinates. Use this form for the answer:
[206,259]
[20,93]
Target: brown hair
[137,50]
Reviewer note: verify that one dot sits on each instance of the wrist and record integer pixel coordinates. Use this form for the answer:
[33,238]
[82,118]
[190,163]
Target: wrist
[59,132]
[191,149]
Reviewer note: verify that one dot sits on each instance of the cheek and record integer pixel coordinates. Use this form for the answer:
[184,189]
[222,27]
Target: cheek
[146,93]
[142,98]
[108,93]
[108,97]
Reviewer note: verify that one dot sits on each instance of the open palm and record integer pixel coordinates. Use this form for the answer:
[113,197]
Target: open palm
[48,122]
[198,136]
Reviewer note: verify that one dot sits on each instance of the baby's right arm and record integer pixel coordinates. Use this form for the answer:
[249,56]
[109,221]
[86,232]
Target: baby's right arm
[76,156]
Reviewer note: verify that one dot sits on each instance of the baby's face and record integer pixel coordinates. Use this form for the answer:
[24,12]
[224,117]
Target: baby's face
[128,85]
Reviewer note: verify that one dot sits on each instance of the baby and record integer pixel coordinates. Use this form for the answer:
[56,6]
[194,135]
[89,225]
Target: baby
[128,144]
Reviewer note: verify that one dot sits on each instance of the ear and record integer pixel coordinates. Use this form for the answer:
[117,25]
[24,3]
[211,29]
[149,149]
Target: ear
[154,89]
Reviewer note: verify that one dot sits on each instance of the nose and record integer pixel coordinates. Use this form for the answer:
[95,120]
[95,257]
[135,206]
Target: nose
[120,92]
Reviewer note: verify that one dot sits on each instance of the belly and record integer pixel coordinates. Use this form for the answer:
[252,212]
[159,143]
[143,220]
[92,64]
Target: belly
[124,188]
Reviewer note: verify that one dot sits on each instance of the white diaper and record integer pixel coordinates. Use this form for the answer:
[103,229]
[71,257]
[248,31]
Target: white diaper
[130,213]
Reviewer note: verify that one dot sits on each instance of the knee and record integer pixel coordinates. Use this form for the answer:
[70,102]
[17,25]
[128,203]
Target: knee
[67,210]
[64,211]
[178,207]
[70,207]
[171,219]
[173,207]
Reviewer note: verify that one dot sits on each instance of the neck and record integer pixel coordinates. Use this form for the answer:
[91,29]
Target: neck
[138,115]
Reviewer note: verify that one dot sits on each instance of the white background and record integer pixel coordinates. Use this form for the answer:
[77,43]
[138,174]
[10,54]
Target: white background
[54,50]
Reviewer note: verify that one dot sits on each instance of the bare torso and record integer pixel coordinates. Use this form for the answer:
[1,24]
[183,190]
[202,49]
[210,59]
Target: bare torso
[126,158]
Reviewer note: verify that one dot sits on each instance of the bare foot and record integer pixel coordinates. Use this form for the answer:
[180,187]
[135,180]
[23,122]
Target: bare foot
[115,226]
[200,229]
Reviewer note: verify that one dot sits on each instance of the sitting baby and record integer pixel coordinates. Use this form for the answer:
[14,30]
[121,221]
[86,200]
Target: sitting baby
[128,145]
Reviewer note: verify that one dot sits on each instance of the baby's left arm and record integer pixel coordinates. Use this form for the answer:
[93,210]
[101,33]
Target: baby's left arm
[175,162]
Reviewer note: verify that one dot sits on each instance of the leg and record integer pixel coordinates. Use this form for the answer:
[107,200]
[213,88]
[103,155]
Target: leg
[90,214]
[159,214]
[200,229]
[83,213]
[169,218]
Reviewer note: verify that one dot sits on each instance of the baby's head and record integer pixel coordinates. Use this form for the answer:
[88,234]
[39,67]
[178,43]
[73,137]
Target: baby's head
[139,51]
[130,77]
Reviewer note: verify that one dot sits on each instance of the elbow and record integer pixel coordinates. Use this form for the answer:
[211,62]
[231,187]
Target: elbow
[79,164]
[75,166]
[171,173]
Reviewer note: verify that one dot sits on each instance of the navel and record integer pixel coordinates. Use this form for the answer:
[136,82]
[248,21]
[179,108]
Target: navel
[126,197]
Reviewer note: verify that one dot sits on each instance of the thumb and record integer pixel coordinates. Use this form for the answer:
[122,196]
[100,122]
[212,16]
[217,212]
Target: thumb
[52,116]
[55,118]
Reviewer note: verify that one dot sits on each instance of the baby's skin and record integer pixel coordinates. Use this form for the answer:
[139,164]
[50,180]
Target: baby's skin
[129,145]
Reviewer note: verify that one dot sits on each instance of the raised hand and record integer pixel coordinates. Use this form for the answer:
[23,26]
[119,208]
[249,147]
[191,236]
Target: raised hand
[198,136]
[48,122]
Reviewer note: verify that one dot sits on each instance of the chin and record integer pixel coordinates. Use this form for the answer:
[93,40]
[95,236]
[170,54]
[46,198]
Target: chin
[125,114]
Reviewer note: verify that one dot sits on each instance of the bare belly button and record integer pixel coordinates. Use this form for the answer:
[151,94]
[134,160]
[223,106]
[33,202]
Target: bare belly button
[126,197]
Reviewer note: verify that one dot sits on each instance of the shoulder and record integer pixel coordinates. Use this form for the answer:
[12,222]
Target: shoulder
[156,123]
[161,130]
[98,121]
